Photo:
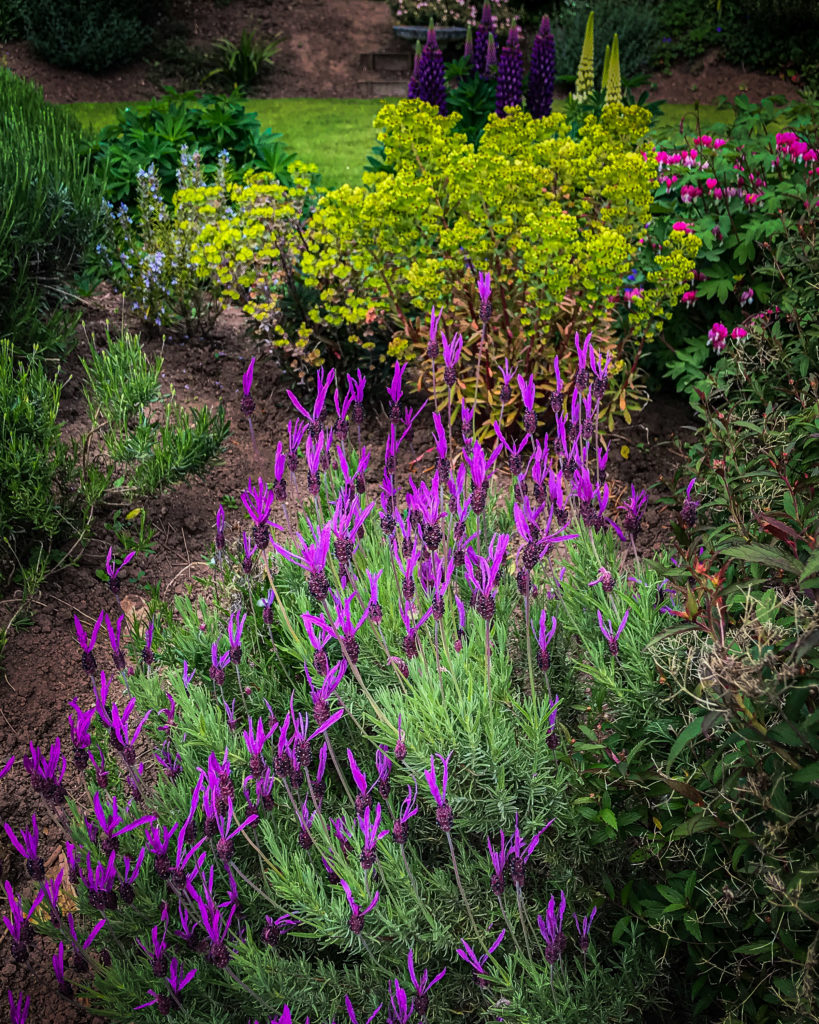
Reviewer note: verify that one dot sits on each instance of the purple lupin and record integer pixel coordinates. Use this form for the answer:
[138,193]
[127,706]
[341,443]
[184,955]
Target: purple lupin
[510,74]
[542,71]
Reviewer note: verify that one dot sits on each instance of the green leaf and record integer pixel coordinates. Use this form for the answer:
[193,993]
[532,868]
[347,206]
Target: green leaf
[808,774]
[765,555]
[608,816]
[810,575]
[689,732]
[619,928]
[693,926]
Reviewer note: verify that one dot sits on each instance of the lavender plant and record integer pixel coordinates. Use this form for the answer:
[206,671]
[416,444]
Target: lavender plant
[289,812]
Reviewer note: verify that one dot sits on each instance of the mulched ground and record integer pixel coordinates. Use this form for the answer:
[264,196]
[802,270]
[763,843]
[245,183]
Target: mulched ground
[41,672]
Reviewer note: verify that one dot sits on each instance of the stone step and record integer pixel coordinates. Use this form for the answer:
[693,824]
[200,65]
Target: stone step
[386,61]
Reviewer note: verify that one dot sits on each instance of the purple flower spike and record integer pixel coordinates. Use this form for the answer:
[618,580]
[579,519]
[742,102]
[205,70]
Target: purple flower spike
[433,347]
[357,915]
[235,627]
[542,71]
[403,1008]
[583,930]
[498,859]
[114,570]
[544,638]
[428,81]
[633,510]
[89,662]
[688,512]
[396,390]
[6,767]
[467,954]
[484,293]
[247,404]
[18,1009]
[26,846]
[369,824]
[452,354]
[609,634]
[551,928]
[527,394]
[520,853]
[364,798]
[510,74]
[422,984]
[443,814]
[409,808]
[482,573]
[351,1012]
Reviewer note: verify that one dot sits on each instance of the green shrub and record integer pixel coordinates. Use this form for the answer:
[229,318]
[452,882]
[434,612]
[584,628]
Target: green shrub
[50,212]
[89,35]
[35,468]
[687,28]
[12,24]
[157,134]
[241,64]
[558,222]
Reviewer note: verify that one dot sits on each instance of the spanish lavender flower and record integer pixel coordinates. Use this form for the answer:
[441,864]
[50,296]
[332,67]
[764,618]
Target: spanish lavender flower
[688,512]
[485,588]
[605,579]
[89,662]
[234,630]
[400,744]
[519,853]
[342,406]
[527,394]
[321,696]
[433,346]
[552,929]
[347,522]
[357,915]
[46,774]
[26,846]
[58,962]
[402,1007]
[79,961]
[499,860]
[122,737]
[18,923]
[479,469]
[176,982]
[313,420]
[114,570]
[295,433]
[408,809]
[158,841]
[274,930]
[542,71]
[18,1010]
[220,529]
[610,635]
[342,628]
[258,501]
[443,814]
[218,662]
[553,737]
[369,824]
[467,954]
[100,773]
[115,639]
[429,78]
[583,930]
[410,642]
[112,824]
[215,924]
[130,873]
[485,295]
[158,947]
[80,724]
[313,559]
[356,389]
[510,75]
[396,391]
[351,1012]
[6,767]
[247,404]
[452,355]
[421,984]
[364,798]
[255,739]
[384,766]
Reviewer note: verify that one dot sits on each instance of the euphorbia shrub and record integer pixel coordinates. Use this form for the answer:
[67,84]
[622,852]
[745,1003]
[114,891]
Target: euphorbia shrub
[345,774]
[558,221]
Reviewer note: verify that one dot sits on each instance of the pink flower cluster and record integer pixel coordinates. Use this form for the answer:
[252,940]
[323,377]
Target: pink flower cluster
[790,145]
[718,336]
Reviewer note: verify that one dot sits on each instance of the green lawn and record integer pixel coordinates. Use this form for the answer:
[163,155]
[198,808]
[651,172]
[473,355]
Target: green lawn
[337,135]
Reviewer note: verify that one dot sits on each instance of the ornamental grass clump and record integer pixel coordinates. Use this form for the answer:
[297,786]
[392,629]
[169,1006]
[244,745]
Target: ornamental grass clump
[343,781]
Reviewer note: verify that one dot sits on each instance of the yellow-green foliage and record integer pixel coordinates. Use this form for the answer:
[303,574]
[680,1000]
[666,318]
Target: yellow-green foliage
[557,221]
[250,239]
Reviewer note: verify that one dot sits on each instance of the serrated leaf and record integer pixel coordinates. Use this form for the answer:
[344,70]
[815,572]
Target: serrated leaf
[608,816]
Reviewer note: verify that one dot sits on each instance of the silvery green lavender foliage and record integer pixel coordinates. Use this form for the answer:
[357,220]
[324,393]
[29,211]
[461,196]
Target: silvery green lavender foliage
[541,87]
[344,783]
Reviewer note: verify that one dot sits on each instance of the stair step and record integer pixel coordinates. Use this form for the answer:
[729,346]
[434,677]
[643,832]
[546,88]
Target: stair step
[386,61]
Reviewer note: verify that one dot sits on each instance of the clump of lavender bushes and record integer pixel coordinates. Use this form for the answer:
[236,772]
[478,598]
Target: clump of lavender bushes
[362,775]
